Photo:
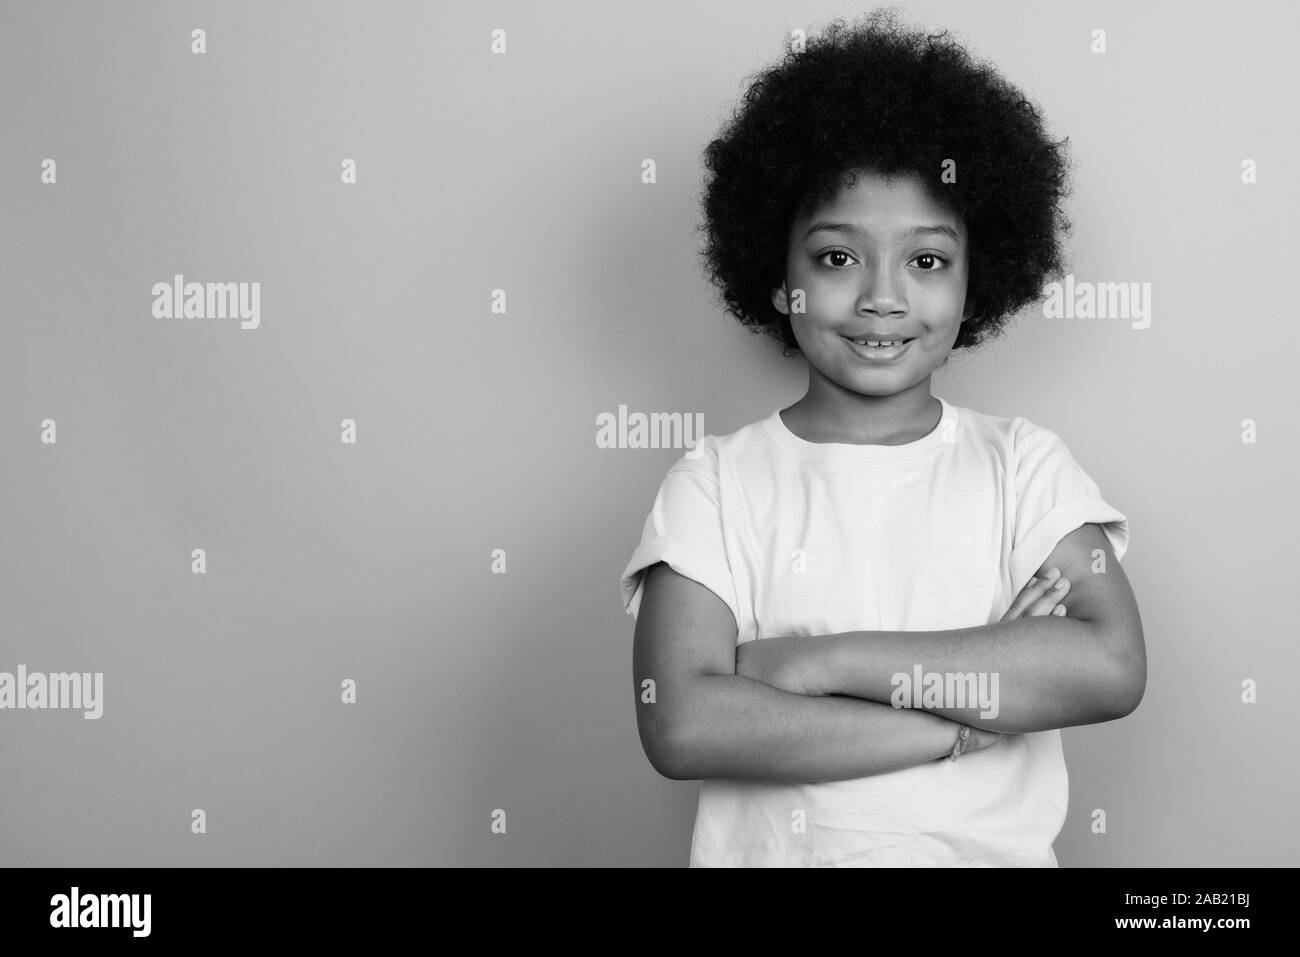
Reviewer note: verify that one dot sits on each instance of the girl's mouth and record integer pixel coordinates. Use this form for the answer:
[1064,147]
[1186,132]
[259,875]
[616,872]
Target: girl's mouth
[878,353]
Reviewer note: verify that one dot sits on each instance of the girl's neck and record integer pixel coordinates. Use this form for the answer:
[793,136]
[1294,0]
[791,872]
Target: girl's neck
[855,419]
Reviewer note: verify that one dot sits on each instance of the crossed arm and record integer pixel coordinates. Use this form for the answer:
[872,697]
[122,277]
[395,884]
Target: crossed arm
[816,709]
[1052,672]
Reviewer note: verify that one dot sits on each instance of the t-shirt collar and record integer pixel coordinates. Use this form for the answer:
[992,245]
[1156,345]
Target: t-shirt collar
[845,453]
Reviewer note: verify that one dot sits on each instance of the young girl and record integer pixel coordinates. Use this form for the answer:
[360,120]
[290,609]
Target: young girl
[862,619]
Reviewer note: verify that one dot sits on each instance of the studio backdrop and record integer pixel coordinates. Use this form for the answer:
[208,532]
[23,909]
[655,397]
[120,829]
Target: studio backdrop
[335,541]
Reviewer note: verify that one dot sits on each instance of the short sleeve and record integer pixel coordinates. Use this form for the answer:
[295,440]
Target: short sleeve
[684,529]
[1054,496]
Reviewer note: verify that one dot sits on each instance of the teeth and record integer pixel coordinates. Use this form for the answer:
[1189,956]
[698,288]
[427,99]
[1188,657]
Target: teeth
[873,343]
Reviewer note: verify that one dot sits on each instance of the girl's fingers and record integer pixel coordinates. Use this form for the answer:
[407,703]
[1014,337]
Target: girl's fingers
[1027,594]
[1018,604]
[1049,597]
[1040,596]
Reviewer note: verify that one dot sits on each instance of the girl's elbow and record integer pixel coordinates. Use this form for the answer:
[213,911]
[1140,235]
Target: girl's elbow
[667,750]
[1127,689]
[1126,677]
[1135,695]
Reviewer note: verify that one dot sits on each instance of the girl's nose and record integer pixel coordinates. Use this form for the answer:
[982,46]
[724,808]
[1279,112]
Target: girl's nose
[882,293]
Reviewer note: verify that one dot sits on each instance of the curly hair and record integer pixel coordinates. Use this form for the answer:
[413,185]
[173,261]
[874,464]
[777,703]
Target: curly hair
[884,97]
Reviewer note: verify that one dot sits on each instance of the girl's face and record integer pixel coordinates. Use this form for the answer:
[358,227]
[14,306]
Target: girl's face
[880,261]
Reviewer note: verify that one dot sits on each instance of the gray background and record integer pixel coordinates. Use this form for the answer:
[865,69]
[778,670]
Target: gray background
[327,561]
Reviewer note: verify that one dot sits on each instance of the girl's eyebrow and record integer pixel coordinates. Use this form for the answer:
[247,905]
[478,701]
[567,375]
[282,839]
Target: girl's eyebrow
[859,231]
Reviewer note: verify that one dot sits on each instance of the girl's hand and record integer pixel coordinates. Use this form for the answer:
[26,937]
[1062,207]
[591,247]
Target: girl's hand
[773,661]
[1040,597]
[981,739]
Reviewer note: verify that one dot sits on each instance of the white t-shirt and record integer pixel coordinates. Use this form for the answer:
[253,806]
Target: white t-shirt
[936,534]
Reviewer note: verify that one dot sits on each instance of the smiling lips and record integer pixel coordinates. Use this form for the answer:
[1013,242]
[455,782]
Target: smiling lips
[880,339]
[878,353]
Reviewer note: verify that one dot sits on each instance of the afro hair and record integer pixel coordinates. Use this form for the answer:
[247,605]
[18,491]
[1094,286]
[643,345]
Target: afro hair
[899,101]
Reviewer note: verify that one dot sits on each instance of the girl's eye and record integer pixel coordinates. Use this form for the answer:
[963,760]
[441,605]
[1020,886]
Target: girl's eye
[836,252]
[932,258]
[932,261]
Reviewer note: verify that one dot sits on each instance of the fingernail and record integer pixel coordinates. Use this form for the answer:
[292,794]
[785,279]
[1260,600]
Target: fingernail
[1053,574]
[1060,584]
[1032,580]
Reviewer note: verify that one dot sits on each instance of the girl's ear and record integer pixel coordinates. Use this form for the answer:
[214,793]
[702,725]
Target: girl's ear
[781,300]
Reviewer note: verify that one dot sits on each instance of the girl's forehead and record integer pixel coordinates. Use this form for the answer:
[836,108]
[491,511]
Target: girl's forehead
[879,199]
